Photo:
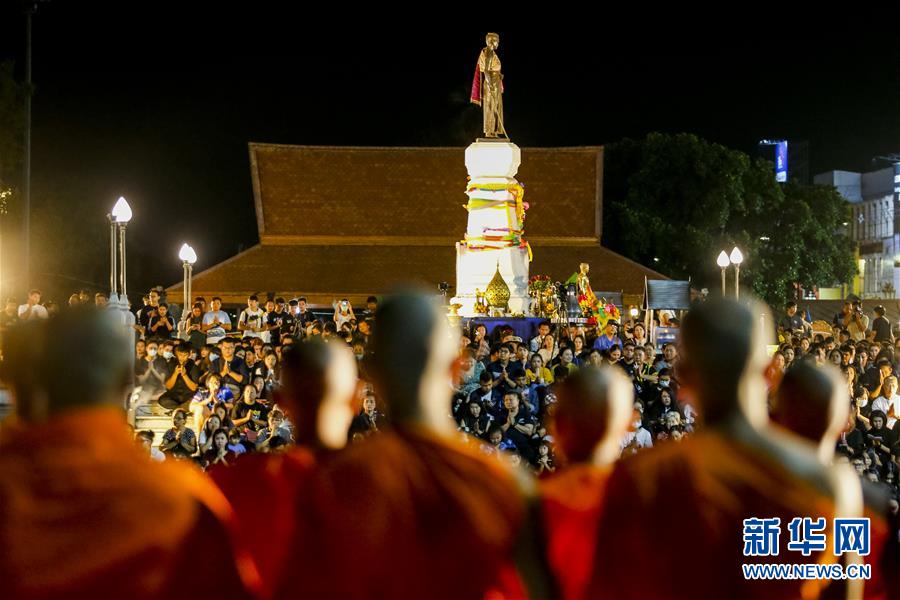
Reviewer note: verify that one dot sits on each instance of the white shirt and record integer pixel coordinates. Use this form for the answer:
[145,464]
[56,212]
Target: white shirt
[884,405]
[37,312]
[215,334]
[255,318]
[157,455]
[266,336]
[858,334]
[643,437]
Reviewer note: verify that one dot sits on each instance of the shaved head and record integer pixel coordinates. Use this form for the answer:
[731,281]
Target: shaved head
[77,359]
[723,343]
[414,350]
[593,405]
[318,385]
[812,402]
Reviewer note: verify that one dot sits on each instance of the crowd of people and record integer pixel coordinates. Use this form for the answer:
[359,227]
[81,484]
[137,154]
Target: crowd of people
[868,357]
[225,374]
[276,393]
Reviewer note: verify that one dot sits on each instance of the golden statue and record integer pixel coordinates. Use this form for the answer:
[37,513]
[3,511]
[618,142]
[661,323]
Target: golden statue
[487,88]
[584,283]
[481,307]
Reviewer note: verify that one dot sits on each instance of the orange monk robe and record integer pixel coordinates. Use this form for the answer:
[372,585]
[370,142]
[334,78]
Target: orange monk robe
[264,490]
[406,514]
[883,559]
[672,523]
[85,513]
[571,501]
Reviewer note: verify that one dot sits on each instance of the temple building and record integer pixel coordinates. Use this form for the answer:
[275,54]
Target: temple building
[355,221]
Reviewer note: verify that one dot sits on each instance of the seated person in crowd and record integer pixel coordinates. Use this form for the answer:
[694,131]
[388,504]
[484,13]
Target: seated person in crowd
[537,342]
[609,338]
[205,399]
[566,359]
[277,428]
[232,371]
[537,373]
[205,437]
[250,415]
[500,370]
[369,420]
[484,393]
[472,369]
[218,455]
[236,444]
[145,439]
[151,373]
[179,442]
[518,424]
[475,420]
[182,381]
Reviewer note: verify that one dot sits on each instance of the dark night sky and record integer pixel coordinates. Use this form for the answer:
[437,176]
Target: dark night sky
[159,105]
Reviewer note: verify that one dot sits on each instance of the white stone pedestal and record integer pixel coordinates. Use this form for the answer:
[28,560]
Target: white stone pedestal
[491,164]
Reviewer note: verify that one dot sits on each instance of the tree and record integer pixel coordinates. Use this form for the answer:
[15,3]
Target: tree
[673,202]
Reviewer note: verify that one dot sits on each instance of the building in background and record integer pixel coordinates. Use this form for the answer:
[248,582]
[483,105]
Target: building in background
[349,222]
[873,226]
[790,158]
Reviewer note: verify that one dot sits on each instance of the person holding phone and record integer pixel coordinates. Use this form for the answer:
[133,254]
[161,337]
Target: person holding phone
[279,322]
[343,312]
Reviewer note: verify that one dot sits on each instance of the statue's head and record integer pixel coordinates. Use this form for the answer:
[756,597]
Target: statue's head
[584,267]
[492,40]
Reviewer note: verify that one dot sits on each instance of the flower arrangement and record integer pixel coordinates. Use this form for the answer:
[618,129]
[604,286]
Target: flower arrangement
[538,283]
[598,312]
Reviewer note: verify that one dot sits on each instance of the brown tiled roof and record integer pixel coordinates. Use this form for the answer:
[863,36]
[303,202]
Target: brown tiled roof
[324,272]
[412,192]
[352,222]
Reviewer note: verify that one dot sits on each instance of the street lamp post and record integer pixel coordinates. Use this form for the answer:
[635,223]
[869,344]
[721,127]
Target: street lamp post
[188,258]
[118,298]
[723,263]
[736,259]
[122,215]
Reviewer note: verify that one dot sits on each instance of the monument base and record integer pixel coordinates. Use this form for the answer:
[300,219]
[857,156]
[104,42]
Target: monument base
[475,269]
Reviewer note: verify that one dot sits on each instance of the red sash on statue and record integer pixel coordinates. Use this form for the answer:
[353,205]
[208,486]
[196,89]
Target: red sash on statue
[475,97]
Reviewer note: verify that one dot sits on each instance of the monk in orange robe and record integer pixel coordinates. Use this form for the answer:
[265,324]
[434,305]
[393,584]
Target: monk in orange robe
[673,521]
[84,512]
[592,416]
[267,490]
[412,512]
[811,402]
